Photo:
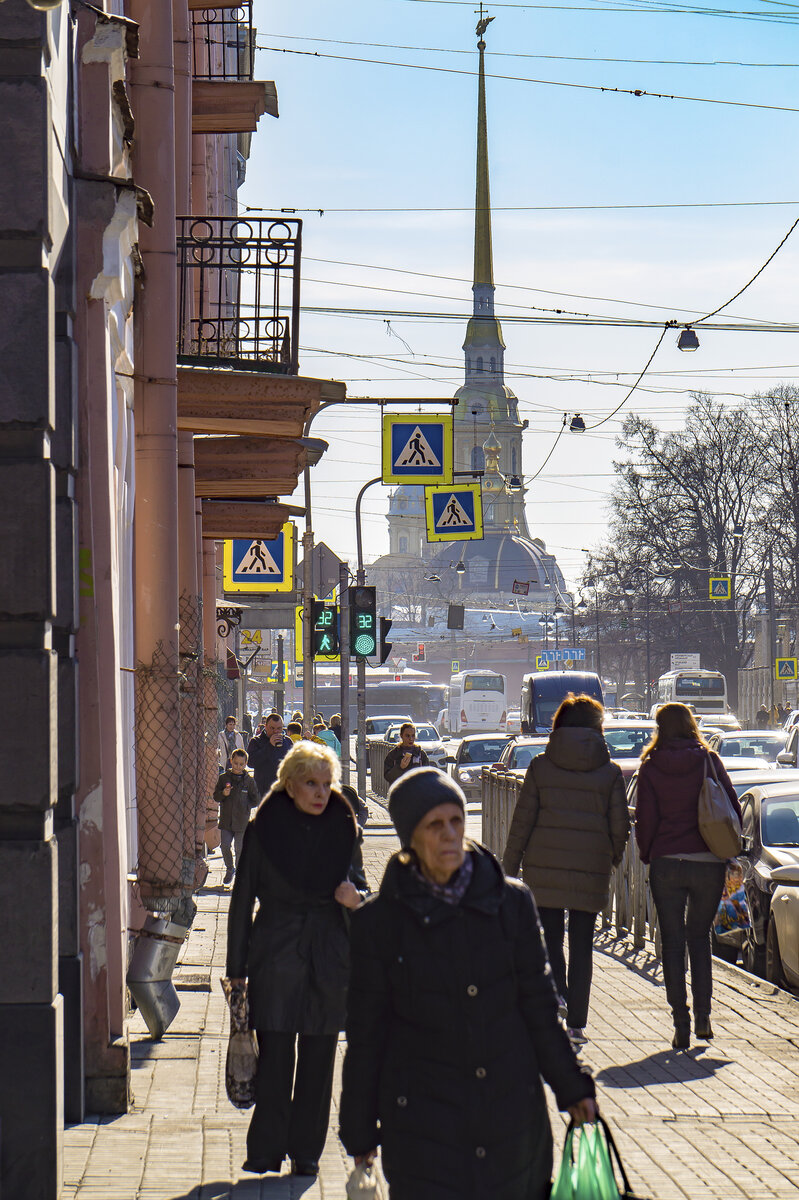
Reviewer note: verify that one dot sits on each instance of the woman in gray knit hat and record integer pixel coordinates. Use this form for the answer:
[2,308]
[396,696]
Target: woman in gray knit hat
[452,1017]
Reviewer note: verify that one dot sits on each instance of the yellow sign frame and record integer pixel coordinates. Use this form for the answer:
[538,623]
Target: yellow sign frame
[786,678]
[229,585]
[445,476]
[451,535]
[715,595]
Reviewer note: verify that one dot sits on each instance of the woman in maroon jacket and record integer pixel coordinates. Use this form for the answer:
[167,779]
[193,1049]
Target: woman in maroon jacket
[685,877]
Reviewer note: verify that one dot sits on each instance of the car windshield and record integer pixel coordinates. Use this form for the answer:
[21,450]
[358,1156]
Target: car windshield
[380,724]
[426,733]
[522,756]
[629,741]
[779,821]
[484,750]
[755,745]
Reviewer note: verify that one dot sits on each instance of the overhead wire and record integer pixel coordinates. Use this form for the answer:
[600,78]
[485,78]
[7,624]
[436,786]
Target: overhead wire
[651,62]
[752,280]
[588,87]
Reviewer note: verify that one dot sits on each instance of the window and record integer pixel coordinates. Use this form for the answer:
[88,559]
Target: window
[403,545]
[479,364]
[493,365]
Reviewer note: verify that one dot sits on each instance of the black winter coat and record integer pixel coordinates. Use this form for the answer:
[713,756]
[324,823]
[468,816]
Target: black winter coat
[236,808]
[452,1020]
[295,954]
[264,759]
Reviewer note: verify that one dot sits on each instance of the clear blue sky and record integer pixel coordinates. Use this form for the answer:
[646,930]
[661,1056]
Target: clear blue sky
[359,136]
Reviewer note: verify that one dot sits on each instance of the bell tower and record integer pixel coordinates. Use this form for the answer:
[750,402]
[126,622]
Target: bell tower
[487,408]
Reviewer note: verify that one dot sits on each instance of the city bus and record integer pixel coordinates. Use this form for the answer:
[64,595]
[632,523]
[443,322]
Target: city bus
[543,691]
[417,699]
[477,701]
[704,691]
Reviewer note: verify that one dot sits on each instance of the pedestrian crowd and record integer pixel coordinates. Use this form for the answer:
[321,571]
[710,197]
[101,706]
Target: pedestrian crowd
[452,980]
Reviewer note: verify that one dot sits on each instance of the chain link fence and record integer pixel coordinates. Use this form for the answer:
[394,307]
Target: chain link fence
[177,717]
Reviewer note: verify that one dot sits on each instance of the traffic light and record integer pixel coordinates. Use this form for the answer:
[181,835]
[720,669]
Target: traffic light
[363,621]
[324,630]
[385,647]
[419,656]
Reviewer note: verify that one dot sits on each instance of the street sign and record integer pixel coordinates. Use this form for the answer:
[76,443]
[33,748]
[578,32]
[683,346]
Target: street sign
[720,587]
[273,672]
[325,570]
[519,588]
[258,565]
[541,662]
[675,606]
[456,667]
[417,449]
[785,668]
[685,662]
[454,513]
[568,654]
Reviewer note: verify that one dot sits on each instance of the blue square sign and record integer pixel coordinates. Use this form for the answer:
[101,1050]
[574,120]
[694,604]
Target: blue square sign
[258,564]
[417,449]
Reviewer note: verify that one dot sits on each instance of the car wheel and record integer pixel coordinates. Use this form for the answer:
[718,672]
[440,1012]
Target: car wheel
[728,954]
[753,956]
[774,971]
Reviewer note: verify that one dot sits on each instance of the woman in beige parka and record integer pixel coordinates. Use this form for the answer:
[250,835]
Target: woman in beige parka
[568,831]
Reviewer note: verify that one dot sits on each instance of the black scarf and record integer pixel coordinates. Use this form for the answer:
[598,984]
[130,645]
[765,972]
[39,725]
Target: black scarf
[312,853]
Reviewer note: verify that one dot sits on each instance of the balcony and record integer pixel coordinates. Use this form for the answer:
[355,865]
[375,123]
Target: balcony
[223,44]
[239,293]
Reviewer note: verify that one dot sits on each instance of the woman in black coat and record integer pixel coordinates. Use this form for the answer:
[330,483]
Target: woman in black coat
[452,1017]
[301,853]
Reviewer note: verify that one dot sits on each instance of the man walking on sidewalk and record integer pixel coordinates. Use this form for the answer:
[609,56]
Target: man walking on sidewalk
[236,793]
[405,756]
[266,752]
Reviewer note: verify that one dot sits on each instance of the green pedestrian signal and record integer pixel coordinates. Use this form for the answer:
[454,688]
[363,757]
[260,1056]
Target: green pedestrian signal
[363,621]
[324,630]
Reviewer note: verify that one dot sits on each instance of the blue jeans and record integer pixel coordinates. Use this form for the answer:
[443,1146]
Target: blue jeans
[686,894]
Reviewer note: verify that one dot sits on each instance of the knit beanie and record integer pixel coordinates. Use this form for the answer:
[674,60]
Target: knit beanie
[413,795]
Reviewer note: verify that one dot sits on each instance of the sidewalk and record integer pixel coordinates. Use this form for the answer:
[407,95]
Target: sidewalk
[718,1123]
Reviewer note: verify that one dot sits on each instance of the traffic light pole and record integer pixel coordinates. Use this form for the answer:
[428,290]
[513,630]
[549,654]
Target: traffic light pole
[344,652]
[360,579]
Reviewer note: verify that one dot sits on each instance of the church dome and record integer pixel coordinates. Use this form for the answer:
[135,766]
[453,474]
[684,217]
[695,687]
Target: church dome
[406,500]
[500,559]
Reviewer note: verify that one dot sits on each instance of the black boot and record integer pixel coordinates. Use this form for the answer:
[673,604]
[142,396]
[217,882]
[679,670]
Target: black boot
[702,1028]
[682,1035]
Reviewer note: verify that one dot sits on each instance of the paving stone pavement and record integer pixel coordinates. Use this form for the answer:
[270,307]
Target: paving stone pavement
[720,1122]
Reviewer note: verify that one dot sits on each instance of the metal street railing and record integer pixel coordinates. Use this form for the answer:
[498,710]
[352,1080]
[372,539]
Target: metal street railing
[377,752]
[223,45]
[630,911]
[239,292]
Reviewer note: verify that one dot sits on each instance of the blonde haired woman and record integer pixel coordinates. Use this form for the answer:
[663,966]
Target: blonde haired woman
[301,861]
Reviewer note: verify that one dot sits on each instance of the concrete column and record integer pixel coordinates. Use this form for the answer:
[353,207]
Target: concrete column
[158,752]
[34,219]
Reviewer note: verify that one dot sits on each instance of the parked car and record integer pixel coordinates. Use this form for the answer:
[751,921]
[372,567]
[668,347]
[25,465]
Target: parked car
[626,740]
[513,721]
[748,743]
[428,738]
[771,840]
[376,727]
[782,938]
[787,757]
[476,751]
[718,721]
[519,753]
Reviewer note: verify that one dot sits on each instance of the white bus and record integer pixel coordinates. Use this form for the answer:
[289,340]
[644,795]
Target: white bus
[477,701]
[704,691]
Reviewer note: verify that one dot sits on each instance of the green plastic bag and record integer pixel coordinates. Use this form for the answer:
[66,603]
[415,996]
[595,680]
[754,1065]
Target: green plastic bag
[591,1177]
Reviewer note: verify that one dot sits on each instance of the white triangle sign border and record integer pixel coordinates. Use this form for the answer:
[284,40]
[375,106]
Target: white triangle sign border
[423,447]
[466,523]
[270,572]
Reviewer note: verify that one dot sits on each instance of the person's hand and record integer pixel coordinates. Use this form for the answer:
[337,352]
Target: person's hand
[584,1113]
[405,760]
[365,1160]
[226,789]
[276,739]
[347,895]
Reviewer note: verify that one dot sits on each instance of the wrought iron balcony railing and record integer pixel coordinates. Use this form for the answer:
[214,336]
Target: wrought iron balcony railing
[223,45]
[239,292]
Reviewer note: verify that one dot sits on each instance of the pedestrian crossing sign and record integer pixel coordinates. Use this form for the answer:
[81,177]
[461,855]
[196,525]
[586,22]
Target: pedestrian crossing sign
[785,668]
[542,662]
[720,587]
[454,513]
[417,449]
[258,564]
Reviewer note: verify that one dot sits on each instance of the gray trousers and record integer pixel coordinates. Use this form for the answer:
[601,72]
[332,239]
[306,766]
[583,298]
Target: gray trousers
[231,839]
